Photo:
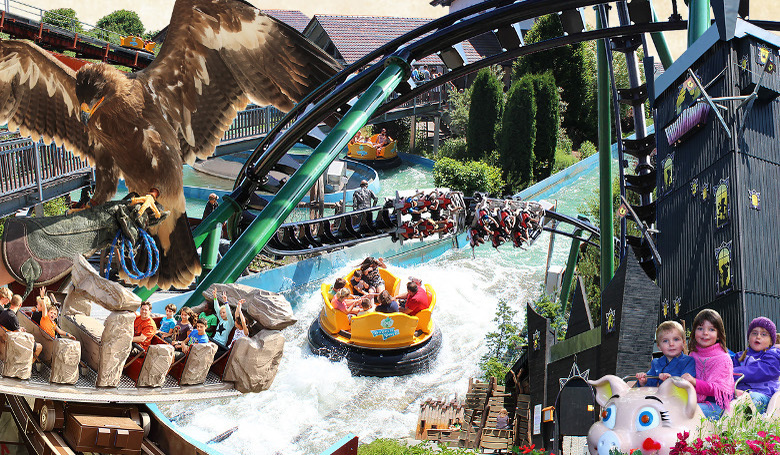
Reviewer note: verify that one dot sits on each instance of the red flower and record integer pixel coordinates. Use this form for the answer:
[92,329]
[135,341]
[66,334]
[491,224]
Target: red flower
[651,444]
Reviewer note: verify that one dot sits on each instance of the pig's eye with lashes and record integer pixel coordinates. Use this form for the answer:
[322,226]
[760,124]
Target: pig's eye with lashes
[647,419]
[609,415]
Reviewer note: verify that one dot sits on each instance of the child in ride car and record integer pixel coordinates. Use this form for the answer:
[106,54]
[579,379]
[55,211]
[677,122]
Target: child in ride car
[197,336]
[759,364]
[714,381]
[168,323]
[670,338]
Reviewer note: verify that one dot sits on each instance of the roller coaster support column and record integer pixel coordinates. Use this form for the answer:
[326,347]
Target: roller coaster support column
[660,44]
[698,19]
[574,256]
[257,235]
[225,210]
[210,249]
[605,161]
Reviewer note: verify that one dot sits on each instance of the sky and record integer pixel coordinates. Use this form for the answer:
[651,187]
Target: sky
[155,14]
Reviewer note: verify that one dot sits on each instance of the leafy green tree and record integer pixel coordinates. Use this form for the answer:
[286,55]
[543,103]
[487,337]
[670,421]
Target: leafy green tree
[503,344]
[573,73]
[468,176]
[484,113]
[518,134]
[123,22]
[454,147]
[547,124]
[63,18]
[457,111]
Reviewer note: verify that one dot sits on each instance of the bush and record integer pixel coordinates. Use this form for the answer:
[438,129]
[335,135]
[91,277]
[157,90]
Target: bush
[587,149]
[563,160]
[484,113]
[547,124]
[518,134]
[469,176]
[458,105]
[454,148]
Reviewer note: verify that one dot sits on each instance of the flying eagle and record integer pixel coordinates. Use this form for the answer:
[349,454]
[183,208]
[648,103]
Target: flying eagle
[217,57]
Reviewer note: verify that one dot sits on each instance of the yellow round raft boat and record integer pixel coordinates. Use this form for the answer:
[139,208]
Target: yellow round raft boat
[377,344]
[379,158]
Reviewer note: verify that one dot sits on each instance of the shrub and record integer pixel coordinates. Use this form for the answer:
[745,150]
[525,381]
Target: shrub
[587,149]
[454,148]
[547,124]
[469,176]
[394,447]
[518,134]
[484,113]
[563,160]
[64,18]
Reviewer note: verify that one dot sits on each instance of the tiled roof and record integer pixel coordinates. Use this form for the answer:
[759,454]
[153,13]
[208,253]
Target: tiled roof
[356,36]
[294,19]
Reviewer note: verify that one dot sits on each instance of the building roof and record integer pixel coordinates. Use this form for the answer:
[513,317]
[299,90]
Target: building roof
[293,18]
[356,36]
[702,45]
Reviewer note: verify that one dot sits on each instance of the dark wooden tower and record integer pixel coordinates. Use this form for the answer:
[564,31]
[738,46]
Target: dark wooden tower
[719,180]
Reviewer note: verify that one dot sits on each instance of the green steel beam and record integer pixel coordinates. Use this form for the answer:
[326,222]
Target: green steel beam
[605,161]
[225,210]
[698,19]
[659,40]
[571,264]
[255,237]
[210,249]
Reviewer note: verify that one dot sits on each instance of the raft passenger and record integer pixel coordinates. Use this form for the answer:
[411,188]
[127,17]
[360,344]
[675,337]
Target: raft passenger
[10,322]
[168,323]
[144,329]
[414,300]
[670,339]
[759,364]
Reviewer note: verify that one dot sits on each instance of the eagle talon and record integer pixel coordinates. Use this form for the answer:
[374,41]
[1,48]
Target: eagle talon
[147,202]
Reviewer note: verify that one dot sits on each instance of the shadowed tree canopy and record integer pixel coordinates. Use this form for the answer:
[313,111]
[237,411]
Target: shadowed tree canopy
[569,66]
[484,114]
[547,124]
[123,22]
[518,134]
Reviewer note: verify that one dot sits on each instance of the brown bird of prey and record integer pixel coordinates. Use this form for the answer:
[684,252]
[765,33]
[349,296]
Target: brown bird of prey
[218,56]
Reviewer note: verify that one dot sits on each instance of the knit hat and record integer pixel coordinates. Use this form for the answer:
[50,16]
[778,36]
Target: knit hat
[766,324]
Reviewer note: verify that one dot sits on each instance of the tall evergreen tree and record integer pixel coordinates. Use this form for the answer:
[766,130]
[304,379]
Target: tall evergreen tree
[569,66]
[547,124]
[484,113]
[518,134]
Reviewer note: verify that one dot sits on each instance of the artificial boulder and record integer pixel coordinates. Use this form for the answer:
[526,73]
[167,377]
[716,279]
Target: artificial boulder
[269,309]
[76,302]
[254,362]
[199,360]
[115,344]
[18,358]
[156,364]
[65,361]
[111,296]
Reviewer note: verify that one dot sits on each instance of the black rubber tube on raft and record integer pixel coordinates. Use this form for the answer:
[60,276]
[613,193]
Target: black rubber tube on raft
[376,362]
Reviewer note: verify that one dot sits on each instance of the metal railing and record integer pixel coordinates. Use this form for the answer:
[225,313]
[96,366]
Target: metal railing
[436,95]
[33,12]
[253,121]
[25,164]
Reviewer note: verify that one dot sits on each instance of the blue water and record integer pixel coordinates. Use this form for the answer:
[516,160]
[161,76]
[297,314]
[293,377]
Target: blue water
[314,402]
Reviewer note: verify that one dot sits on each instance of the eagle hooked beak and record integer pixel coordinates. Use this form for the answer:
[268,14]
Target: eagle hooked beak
[86,111]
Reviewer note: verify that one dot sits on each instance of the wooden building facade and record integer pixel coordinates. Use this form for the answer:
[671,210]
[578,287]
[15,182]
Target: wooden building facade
[718,185]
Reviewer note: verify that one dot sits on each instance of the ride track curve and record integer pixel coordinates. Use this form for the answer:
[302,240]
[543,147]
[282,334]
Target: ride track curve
[329,102]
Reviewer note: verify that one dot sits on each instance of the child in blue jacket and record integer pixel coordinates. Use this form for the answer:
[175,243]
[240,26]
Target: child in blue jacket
[759,364]
[670,338]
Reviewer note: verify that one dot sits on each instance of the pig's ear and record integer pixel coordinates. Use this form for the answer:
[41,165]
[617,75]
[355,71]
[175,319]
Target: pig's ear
[607,387]
[682,391]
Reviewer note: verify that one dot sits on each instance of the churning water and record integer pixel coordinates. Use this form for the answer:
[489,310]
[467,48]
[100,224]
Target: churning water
[314,402]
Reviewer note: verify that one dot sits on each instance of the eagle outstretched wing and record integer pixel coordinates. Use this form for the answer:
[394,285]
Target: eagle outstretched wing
[38,96]
[219,55]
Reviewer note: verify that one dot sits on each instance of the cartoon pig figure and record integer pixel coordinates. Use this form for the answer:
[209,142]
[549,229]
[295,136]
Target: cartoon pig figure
[646,418]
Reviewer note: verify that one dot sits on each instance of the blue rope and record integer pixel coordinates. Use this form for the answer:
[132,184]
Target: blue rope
[127,254]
